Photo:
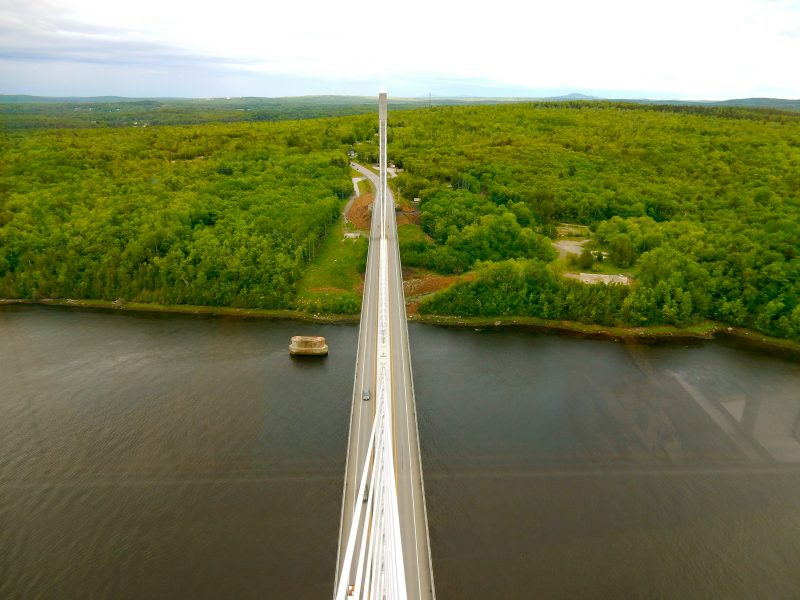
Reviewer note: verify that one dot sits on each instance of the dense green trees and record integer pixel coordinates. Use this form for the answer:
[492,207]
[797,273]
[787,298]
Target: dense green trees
[120,112]
[528,287]
[465,228]
[34,112]
[219,214]
[702,205]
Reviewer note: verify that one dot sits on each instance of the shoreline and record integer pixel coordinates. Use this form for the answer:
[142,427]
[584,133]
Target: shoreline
[706,330]
[186,309]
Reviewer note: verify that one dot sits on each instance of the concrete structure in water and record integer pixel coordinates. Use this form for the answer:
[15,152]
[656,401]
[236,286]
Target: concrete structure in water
[303,345]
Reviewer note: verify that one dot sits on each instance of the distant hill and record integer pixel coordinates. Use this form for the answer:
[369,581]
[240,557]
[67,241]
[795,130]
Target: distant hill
[765,103]
[338,100]
[24,111]
[26,99]
[778,103]
[364,101]
[573,97]
[250,101]
[32,112]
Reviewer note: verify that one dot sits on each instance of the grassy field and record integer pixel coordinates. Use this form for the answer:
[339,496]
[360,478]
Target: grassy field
[607,268]
[333,281]
[410,233]
[604,268]
[363,187]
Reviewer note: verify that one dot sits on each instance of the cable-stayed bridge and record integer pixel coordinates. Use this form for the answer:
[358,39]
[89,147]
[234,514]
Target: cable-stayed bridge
[384,549]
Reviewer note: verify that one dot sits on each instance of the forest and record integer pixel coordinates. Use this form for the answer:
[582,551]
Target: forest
[23,113]
[34,112]
[217,214]
[700,205]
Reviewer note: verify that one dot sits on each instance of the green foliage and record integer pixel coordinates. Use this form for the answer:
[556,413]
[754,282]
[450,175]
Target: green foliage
[528,287]
[703,204]
[225,215]
[469,228]
[120,112]
[585,260]
[26,112]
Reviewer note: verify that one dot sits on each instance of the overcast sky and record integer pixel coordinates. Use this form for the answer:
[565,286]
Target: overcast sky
[687,49]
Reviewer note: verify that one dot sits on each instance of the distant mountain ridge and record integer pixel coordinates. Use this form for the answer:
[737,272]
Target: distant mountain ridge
[25,99]
[573,96]
[770,103]
[780,103]
[25,112]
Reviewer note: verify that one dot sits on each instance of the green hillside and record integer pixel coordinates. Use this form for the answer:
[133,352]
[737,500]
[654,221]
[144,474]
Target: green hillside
[218,214]
[699,206]
[702,205]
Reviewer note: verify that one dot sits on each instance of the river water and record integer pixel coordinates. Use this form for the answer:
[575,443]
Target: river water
[152,456]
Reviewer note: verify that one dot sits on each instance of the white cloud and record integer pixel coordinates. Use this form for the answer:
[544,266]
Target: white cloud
[685,49]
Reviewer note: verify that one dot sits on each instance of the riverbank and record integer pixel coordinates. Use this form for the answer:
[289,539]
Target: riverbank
[707,330]
[217,311]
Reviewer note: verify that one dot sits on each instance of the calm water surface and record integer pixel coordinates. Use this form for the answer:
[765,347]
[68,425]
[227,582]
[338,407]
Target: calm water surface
[182,457]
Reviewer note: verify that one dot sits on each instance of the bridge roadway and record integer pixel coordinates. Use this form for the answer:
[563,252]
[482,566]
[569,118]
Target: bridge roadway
[410,489]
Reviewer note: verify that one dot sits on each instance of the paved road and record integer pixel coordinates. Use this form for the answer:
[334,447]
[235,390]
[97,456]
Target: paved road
[411,498]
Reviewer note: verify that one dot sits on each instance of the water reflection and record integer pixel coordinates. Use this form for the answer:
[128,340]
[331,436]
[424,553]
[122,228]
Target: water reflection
[163,457]
[567,468]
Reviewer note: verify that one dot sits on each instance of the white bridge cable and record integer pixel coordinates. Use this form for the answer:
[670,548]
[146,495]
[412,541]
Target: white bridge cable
[375,525]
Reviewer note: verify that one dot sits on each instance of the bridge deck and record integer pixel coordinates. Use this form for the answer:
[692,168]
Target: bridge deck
[407,464]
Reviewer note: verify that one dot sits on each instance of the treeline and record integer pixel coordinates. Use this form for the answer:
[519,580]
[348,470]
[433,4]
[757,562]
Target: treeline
[219,214]
[179,111]
[529,287]
[31,112]
[702,205]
